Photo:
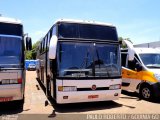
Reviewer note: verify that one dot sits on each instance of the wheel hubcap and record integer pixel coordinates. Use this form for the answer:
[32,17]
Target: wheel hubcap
[146,93]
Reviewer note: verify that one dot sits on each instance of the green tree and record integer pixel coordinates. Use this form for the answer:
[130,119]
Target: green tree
[121,39]
[32,54]
[28,55]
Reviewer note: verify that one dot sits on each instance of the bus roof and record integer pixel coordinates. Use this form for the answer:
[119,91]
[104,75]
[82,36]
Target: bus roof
[9,20]
[84,22]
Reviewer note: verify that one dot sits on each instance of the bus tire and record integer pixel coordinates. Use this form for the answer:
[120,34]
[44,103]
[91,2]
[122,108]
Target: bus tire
[19,103]
[146,92]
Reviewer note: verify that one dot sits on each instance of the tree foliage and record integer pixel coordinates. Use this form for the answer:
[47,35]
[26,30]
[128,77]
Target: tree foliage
[32,54]
[121,39]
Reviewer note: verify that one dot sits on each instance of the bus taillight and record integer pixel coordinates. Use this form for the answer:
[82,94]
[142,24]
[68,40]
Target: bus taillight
[19,80]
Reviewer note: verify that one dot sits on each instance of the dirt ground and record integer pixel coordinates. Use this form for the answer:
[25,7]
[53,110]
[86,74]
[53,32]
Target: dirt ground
[35,104]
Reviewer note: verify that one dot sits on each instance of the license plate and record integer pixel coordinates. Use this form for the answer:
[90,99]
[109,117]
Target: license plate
[93,96]
[5,99]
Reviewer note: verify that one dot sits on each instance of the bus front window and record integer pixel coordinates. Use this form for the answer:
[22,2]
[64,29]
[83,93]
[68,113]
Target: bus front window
[11,50]
[88,60]
[151,60]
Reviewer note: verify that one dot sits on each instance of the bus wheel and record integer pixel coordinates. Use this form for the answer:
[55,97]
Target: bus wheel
[19,103]
[146,92]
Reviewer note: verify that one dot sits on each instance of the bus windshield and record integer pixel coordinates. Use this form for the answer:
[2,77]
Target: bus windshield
[87,31]
[88,60]
[151,60]
[11,51]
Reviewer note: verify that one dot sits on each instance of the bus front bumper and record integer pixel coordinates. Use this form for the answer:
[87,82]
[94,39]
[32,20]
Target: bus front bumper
[10,92]
[87,96]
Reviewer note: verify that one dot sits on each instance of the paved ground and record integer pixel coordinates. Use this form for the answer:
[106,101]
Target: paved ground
[35,104]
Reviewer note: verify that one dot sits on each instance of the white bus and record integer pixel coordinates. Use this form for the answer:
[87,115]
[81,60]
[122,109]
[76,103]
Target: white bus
[80,62]
[12,72]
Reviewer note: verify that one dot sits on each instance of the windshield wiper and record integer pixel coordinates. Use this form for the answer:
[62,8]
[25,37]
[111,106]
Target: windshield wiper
[84,63]
[100,62]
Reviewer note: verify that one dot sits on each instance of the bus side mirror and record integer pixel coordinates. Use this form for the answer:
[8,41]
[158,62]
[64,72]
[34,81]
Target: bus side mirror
[28,43]
[53,47]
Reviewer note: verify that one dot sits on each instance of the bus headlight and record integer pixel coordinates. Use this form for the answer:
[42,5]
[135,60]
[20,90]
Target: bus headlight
[115,87]
[157,76]
[67,88]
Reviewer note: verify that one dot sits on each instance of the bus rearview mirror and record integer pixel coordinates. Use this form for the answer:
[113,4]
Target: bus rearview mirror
[53,47]
[28,43]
